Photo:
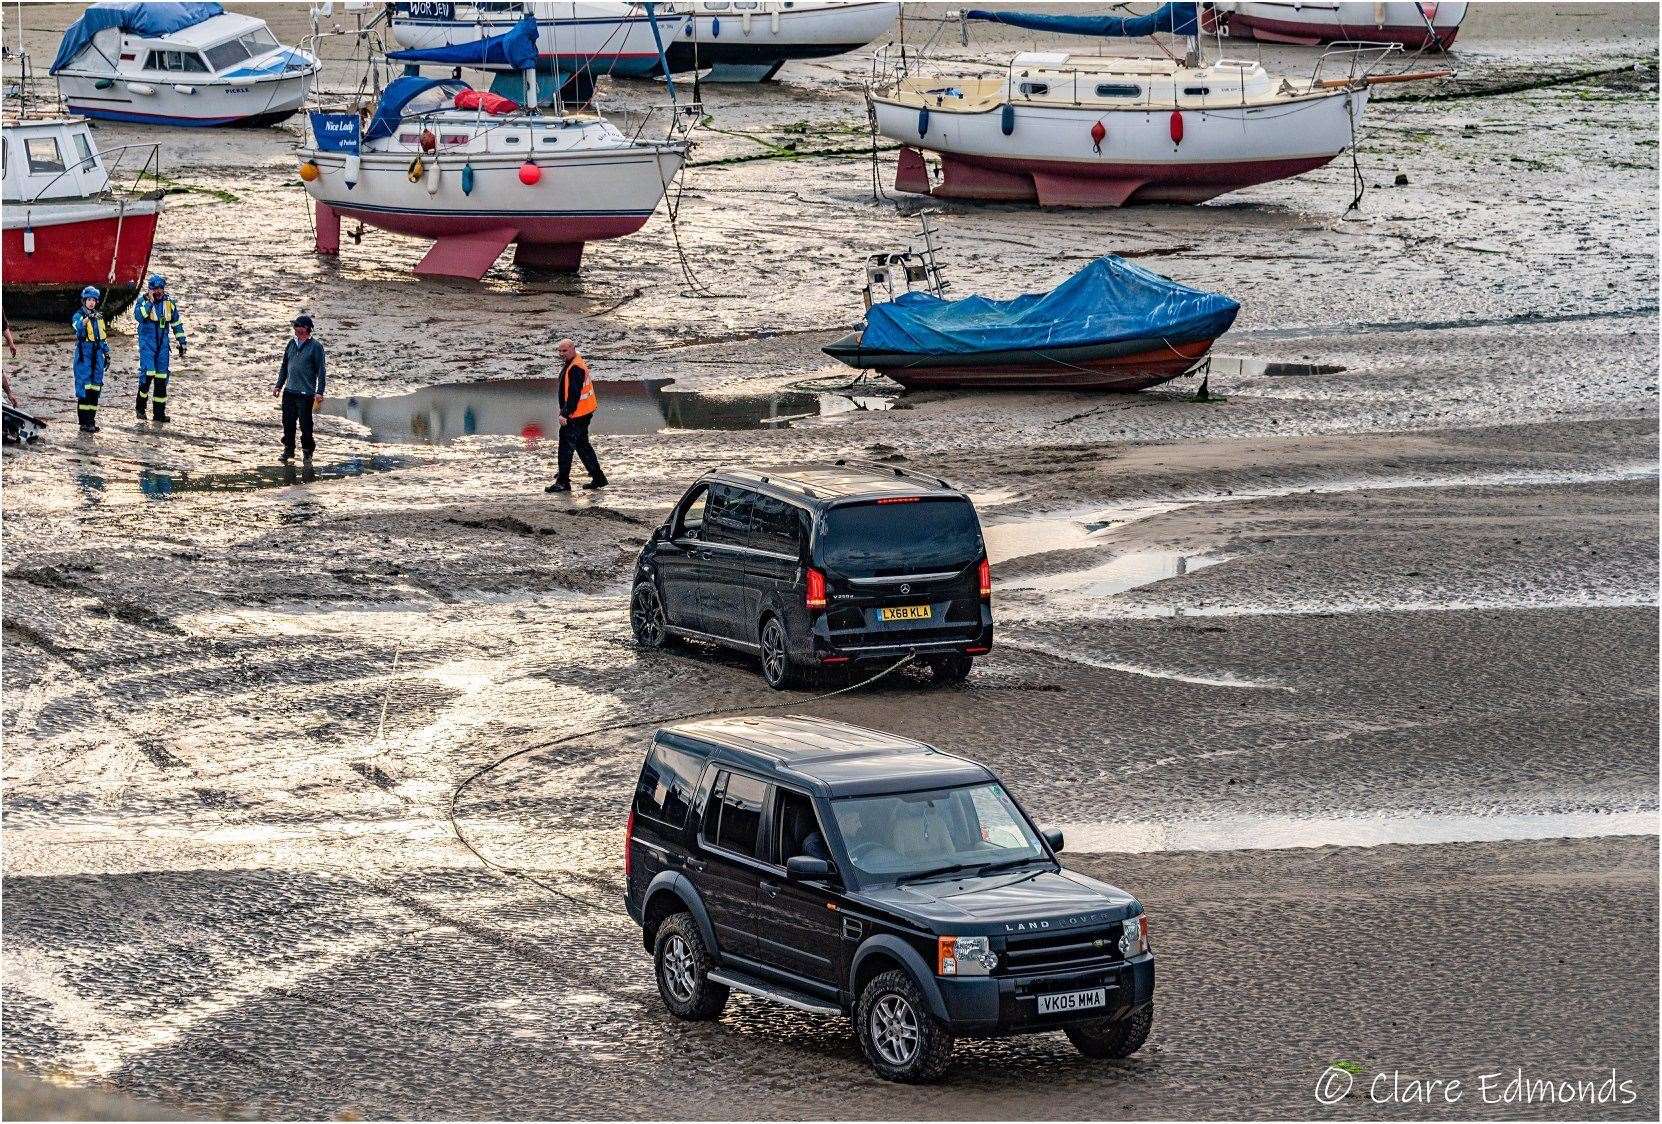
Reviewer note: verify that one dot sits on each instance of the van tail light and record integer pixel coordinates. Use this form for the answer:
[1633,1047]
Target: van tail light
[816,589]
[629,845]
[984,573]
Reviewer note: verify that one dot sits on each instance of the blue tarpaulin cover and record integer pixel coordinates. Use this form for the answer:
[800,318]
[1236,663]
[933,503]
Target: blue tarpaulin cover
[1108,301]
[399,93]
[1173,19]
[149,20]
[515,48]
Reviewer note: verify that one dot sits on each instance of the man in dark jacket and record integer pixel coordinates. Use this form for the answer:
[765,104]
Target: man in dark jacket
[300,385]
[577,406]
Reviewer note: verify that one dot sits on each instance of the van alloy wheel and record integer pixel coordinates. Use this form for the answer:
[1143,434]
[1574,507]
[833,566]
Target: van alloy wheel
[646,616]
[776,657]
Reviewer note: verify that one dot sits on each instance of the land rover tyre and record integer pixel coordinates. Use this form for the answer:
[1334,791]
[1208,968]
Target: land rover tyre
[900,1038]
[776,654]
[683,965]
[646,617]
[1113,1038]
[951,669]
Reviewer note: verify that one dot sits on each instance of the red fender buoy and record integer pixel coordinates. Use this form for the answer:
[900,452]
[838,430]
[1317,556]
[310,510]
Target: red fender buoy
[428,140]
[1098,133]
[529,174]
[1177,126]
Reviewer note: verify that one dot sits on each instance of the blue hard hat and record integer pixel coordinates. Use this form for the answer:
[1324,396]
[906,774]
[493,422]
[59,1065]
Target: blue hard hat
[157,281]
[91,291]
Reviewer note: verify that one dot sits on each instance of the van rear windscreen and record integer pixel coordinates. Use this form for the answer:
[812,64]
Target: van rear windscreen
[878,539]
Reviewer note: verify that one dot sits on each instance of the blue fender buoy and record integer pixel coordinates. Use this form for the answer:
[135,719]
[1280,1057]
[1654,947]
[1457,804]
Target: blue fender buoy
[923,121]
[467,179]
[715,28]
[1007,121]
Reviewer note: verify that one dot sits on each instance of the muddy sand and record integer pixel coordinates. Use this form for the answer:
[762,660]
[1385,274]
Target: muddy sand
[1351,677]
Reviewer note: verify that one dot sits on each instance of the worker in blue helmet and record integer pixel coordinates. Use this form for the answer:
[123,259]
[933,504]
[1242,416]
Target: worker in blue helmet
[158,317]
[92,357]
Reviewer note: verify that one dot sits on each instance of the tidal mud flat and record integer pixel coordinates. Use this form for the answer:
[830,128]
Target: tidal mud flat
[1351,677]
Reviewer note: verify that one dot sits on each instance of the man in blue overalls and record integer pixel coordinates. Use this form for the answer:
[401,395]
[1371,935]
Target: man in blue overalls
[92,358]
[157,314]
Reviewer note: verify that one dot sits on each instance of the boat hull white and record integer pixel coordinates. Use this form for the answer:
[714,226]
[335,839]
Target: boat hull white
[613,39]
[1050,156]
[580,197]
[1326,21]
[751,46]
[153,101]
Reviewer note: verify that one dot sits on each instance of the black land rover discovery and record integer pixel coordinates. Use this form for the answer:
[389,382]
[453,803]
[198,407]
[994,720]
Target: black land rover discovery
[820,567]
[845,871]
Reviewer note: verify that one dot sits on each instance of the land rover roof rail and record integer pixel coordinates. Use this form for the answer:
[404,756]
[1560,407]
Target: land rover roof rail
[878,466]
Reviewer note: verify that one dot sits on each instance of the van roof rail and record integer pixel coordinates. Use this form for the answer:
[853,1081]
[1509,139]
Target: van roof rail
[878,466]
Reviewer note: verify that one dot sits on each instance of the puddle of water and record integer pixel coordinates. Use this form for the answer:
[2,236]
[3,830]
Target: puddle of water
[1129,571]
[1253,833]
[527,408]
[1242,367]
[161,485]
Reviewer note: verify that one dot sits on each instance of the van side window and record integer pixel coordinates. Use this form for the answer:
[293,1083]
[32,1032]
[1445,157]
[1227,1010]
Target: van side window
[689,523]
[779,526]
[727,517]
[734,815]
[668,779]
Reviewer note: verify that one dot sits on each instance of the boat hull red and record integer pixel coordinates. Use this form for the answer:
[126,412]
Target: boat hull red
[68,256]
[1058,183]
[1137,371]
[1269,30]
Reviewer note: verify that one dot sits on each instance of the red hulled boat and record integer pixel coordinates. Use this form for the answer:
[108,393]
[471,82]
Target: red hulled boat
[66,224]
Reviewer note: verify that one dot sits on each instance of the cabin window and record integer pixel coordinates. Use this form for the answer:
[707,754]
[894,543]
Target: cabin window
[1035,89]
[84,148]
[227,55]
[740,5]
[409,138]
[1118,90]
[549,140]
[178,62]
[510,139]
[454,138]
[715,5]
[1196,91]
[43,153]
[259,41]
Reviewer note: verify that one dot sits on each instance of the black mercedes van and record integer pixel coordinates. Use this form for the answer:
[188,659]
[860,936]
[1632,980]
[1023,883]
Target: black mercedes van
[819,567]
[840,870]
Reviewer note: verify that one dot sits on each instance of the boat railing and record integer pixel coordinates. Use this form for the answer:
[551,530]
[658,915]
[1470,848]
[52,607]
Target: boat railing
[1351,61]
[151,169]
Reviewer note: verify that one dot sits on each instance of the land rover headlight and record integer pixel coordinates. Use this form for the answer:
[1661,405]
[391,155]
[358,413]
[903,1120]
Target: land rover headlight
[1134,935]
[964,956]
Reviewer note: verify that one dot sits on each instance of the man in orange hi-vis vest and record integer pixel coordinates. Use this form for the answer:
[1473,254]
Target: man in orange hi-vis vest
[577,406]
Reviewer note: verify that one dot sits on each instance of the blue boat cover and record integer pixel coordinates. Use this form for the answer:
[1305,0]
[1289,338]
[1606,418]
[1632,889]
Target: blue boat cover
[1174,19]
[515,49]
[399,93]
[1109,301]
[149,20]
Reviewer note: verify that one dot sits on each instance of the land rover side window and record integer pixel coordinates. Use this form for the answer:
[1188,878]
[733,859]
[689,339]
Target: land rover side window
[736,807]
[796,829]
[727,519]
[778,526]
[901,536]
[1118,90]
[667,784]
[43,154]
[690,522]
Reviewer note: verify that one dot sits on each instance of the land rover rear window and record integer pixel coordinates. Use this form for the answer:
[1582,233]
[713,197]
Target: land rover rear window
[667,785]
[880,539]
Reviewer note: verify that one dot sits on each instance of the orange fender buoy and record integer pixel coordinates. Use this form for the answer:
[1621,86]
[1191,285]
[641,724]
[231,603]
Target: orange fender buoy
[1098,133]
[308,171]
[529,174]
[1177,126]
